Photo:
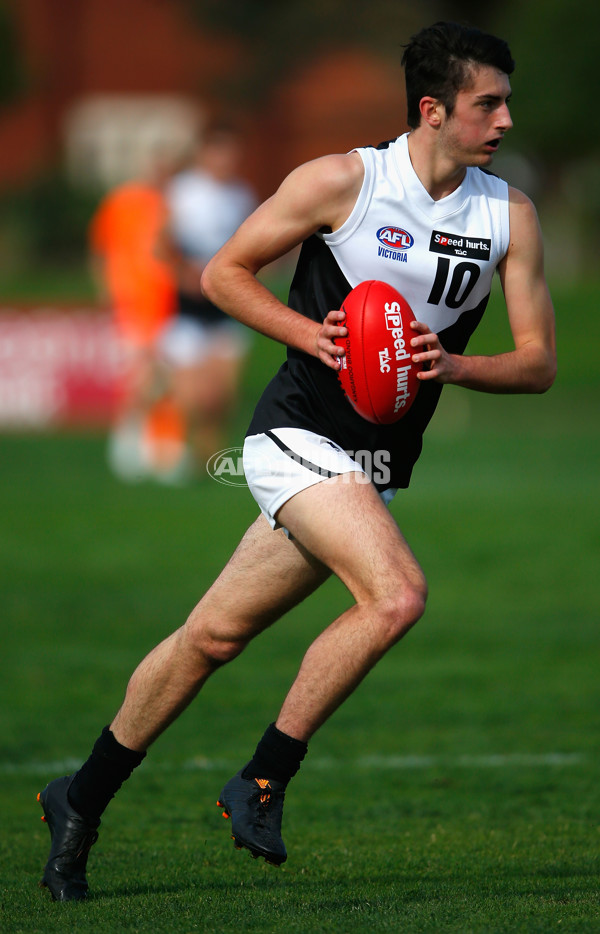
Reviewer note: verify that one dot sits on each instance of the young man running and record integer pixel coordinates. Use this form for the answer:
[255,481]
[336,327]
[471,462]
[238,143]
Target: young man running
[463,225]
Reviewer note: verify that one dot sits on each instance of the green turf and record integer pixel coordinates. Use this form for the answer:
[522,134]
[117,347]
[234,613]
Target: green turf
[458,790]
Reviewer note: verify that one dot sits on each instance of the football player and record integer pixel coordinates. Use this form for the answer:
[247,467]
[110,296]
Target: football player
[317,514]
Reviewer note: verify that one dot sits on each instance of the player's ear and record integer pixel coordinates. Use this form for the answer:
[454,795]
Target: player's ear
[432,111]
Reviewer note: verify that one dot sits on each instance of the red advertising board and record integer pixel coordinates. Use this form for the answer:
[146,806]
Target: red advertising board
[58,367]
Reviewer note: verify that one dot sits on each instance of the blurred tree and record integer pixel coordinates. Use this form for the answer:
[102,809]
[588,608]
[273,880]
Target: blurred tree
[556,82]
[51,216]
[555,87]
[11,74]
[279,38]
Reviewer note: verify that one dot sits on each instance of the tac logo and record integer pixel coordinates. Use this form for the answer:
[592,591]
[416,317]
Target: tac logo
[396,238]
[227,467]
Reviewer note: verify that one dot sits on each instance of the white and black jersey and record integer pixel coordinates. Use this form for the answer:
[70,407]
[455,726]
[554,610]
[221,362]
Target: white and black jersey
[204,213]
[441,255]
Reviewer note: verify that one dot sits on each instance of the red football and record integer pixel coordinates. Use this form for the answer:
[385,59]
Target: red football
[377,373]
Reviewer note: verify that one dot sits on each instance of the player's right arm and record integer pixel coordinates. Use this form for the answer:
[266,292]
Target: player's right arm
[318,194]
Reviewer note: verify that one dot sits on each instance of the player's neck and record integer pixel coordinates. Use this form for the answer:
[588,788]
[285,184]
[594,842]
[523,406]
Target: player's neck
[438,174]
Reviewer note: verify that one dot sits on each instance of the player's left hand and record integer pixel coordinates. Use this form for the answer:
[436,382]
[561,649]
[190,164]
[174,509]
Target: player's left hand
[327,350]
[437,364]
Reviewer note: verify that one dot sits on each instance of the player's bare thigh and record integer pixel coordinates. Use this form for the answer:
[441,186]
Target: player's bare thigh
[266,576]
[208,387]
[343,522]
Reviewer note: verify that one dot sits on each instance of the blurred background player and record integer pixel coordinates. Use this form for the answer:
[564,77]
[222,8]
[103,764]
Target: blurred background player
[147,437]
[203,348]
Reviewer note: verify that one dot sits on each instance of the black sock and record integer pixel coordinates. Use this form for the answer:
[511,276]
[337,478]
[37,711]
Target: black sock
[101,776]
[278,756]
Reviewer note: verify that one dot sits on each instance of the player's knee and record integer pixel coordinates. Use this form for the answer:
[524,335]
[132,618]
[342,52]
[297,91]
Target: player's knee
[401,608]
[213,646]
[218,646]
[219,651]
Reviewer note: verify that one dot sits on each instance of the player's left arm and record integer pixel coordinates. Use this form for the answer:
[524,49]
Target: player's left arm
[531,366]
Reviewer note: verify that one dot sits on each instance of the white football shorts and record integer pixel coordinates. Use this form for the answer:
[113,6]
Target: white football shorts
[283,461]
[186,342]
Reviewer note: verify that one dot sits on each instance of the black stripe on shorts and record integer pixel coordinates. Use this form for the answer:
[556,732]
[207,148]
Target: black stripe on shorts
[322,471]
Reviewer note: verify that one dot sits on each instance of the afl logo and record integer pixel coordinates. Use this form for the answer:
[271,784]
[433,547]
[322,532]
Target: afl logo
[227,467]
[395,237]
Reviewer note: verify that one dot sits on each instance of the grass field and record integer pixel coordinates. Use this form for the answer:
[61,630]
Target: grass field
[458,790]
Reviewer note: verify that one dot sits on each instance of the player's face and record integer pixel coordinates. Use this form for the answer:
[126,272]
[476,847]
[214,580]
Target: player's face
[222,158]
[474,130]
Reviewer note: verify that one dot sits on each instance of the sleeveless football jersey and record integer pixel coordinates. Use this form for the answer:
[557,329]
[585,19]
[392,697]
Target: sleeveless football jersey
[441,255]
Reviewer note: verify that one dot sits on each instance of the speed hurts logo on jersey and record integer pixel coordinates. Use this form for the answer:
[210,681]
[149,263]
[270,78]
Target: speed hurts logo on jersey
[452,244]
[394,242]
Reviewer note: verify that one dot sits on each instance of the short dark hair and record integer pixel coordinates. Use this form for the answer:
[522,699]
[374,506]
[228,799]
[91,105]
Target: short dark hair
[438,61]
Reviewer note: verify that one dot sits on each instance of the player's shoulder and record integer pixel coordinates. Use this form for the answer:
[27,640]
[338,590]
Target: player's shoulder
[525,232]
[521,207]
[519,199]
[336,170]
[519,203]
[489,183]
[325,188]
